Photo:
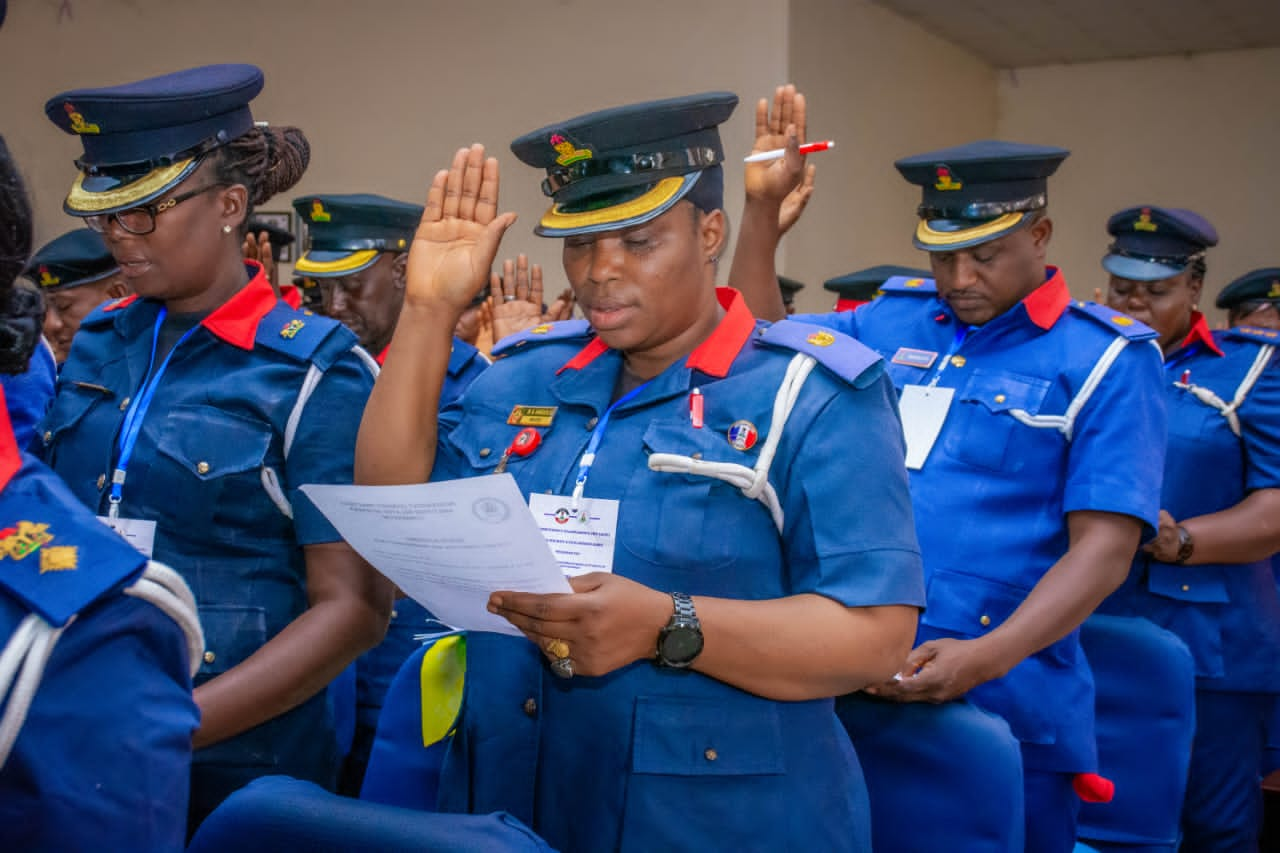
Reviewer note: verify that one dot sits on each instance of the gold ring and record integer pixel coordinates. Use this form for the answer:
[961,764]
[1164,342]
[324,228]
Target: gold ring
[558,649]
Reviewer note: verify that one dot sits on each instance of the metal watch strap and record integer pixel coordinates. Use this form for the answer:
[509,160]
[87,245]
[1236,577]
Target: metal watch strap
[1186,545]
[684,612]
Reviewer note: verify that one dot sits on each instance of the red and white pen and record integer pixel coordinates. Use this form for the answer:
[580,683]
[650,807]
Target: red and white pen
[695,408]
[779,153]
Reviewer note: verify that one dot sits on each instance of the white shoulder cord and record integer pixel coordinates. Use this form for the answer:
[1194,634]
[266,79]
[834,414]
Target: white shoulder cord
[753,482]
[271,480]
[1065,423]
[1228,410]
[29,649]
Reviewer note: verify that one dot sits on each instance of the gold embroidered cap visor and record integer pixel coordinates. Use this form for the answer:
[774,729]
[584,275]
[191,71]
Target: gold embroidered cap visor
[106,193]
[320,264]
[616,210]
[946,235]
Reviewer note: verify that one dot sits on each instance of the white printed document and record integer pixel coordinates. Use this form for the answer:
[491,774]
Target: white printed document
[447,545]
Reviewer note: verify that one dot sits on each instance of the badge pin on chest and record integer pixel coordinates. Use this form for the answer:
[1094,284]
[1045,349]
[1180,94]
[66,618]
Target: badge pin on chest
[742,435]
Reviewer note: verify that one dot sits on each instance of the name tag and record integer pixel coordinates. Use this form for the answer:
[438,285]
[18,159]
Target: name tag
[582,542]
[923,411]
[138,532]
[534,416]
[921,358]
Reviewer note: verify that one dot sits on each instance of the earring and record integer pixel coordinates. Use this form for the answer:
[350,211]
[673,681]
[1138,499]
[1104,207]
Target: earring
[226,229]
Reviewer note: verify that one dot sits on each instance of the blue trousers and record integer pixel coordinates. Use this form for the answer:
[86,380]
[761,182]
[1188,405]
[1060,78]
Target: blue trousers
[1223,809]
[1052,808]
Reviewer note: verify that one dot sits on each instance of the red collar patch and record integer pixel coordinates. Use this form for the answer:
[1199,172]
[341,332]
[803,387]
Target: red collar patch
[1046,303]
[382,356]
[10,457]
[1200,334]
[236,320]
[713,356]
[122,302]
[291,295]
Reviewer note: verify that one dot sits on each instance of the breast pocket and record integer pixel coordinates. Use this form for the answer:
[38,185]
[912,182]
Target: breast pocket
[685,521]
[208,469]
[78,454]
[981,424]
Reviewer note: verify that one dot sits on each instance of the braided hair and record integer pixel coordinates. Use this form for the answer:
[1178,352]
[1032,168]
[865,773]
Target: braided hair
[21,308]
[266,160]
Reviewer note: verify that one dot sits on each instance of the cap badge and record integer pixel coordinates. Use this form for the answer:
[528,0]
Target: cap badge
[821,339]
[318,213]
[24,540]
[1144,222]
[291,329]
[1274,292]
[48,279]
[742,435]
[78,124]
[569,153]
[946,181]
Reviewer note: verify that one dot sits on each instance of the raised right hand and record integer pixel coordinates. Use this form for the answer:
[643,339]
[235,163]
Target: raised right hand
[459,234]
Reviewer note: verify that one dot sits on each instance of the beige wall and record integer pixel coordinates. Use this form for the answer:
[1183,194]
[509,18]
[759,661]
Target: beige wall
[388,89]
[1198,132]
[883,89]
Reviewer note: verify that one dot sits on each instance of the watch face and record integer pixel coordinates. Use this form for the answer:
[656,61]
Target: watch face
[681,645]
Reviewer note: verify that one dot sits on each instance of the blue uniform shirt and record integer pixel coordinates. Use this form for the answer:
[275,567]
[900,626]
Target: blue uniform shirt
[1229,615]
[992,498]
[210,468]
[29,394]
[648,758]
[103,758]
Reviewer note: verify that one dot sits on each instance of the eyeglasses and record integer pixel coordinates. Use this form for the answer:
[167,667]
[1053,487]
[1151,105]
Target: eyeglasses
[142,219]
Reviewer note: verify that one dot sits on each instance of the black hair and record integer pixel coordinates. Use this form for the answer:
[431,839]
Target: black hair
[1198,269]
[266,160]
[21,308]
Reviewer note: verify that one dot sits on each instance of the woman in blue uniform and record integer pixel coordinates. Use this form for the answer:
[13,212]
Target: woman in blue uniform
[190,414]
[1207,574]
[681,701]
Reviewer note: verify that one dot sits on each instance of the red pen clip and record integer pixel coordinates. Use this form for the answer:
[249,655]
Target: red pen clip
[525,442]
[695,408]
[1186,377]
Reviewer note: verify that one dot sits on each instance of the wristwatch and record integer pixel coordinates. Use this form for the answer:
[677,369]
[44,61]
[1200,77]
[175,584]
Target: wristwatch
[1186,545]
[680,642]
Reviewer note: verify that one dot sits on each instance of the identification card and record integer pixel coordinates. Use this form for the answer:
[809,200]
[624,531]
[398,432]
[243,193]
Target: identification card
[138,532]
[582,542]
[923,410]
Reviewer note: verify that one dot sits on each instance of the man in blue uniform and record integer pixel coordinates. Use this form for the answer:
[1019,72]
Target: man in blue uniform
[357,249]
[1035,435]
[76,273]
[1207,575]
[681,700]
[96,714]
[1253,299]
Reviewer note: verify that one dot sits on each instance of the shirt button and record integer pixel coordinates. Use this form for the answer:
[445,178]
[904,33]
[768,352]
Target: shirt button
[395,613]
[484,452]
[48,436]
[711,755]
[591,423]
[531,707]
[209,657]
[1186,588]
[985,620]
[999,398]
[957,361]
[102,481]
[124,404]
[697,455]
[202,467]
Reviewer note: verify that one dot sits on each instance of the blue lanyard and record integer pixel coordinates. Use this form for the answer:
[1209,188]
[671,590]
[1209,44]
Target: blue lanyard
[137,411]
[961,331]
[1181,356]
[589,458]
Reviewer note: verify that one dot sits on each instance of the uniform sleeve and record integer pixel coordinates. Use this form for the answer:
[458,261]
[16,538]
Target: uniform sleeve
[1260,430]
[1116,459]
[103,761]
[324,446]
[849,532]
[28,396]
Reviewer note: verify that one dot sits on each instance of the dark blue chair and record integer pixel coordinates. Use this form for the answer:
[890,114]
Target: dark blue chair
[1145,721]
[940,777]
[277,814]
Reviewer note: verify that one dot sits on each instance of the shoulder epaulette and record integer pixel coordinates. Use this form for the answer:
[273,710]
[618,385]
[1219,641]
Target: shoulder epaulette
[55,557]
[1253,334]
[907,284]
[565,330]
[462,356]
[852,361]
[303,337]
[1120,324]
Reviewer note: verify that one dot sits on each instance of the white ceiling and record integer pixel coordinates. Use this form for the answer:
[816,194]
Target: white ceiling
[1020,33]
